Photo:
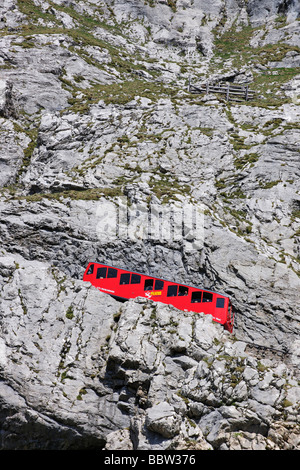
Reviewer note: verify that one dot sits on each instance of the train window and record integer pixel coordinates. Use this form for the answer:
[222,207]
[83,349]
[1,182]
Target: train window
[148,284]
[172,291]
[220,302]
[207,297]
[196,296]
[135,279]
[159,284]
[91,269]
[183,290]
[125,278]
[101,273]
[112,272]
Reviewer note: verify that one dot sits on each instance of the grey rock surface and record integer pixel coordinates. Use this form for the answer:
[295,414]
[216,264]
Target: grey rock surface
[80,369]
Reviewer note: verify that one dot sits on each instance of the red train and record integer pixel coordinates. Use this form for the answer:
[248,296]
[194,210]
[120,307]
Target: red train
[125,285]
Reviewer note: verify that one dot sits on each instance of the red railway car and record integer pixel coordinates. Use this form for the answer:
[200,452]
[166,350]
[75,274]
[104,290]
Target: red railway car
[124,284]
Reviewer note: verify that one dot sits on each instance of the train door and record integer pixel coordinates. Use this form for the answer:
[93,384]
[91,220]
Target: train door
[129,285]
[177,295]
[106,278]
[153,288]
[135,285]
[202,301]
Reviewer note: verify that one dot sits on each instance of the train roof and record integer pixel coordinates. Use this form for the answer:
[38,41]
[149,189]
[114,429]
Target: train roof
[155,277]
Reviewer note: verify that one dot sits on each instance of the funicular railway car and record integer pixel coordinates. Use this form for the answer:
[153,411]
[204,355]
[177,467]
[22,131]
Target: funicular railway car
[124,285]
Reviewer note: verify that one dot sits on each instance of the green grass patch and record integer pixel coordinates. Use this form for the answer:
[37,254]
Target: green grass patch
[167,187]
[234,45]
[269,184]
[119,93]
[249,158]
[92,194]
[28,151]
[268,85]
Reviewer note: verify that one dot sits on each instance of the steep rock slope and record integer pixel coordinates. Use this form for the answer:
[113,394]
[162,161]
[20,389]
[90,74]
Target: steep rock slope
[82,371]
[95,114]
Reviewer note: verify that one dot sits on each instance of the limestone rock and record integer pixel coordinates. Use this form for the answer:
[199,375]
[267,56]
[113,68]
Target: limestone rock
[103,152]
[7,108]
[93,383]
[163,420]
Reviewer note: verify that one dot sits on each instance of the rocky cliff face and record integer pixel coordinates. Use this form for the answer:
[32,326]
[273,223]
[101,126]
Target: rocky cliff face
[96,117]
